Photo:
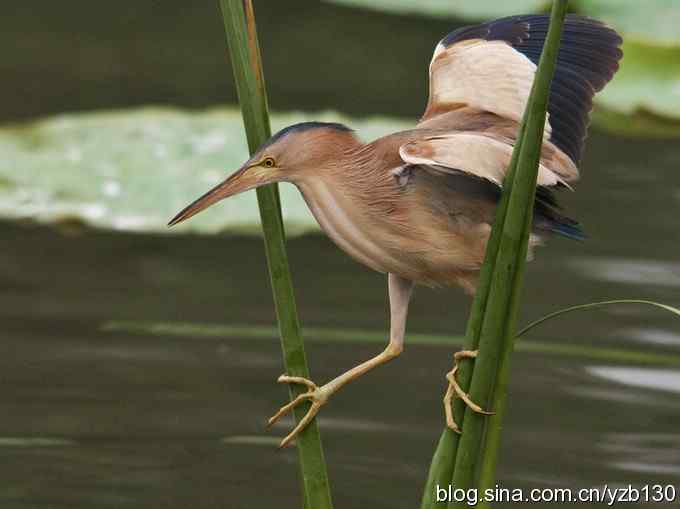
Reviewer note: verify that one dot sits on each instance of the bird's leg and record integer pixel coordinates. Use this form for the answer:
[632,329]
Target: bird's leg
[454,390]
[400,293]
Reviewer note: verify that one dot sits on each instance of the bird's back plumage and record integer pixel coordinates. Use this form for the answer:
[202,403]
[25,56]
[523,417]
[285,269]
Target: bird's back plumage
[480,79]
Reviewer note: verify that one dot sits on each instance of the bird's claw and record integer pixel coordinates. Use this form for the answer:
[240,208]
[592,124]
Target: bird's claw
[316,395]
[454,390]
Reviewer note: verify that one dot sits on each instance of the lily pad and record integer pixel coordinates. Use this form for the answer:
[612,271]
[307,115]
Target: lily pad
[645,69]
[651,21]
[645,93]
[476,9]
[639,124]
[133,170]
[654,21]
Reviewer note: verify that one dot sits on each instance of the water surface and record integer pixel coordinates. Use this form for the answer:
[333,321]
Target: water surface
[95,417]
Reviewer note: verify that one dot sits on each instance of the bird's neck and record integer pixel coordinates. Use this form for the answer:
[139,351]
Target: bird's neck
[345,174]
[347,197]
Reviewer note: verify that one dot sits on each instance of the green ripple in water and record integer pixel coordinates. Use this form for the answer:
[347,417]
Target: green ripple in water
[330,335]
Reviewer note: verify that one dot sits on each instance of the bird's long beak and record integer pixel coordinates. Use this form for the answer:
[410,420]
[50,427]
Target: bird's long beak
[246,178]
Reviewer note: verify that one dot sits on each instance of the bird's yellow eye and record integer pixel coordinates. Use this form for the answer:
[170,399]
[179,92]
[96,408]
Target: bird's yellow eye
[268,162]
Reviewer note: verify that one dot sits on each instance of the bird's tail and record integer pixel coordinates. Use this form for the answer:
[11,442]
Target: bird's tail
[548,217]
[569,229]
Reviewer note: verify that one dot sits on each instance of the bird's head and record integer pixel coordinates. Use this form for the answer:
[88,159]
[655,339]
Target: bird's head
[288,156]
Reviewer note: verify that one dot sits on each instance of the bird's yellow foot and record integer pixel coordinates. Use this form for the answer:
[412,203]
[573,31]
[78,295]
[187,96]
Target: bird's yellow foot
[316,395]
[455,391]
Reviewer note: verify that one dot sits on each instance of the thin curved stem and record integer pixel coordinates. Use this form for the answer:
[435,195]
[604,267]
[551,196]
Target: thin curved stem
[535,323]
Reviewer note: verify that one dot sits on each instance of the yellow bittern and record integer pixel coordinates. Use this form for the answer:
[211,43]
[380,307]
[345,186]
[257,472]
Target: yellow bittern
[419,204]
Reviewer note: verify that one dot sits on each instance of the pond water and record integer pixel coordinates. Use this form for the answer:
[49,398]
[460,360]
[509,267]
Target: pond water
[101,411]
[104,408]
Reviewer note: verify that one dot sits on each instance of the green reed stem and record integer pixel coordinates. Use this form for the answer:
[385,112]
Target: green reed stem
[443,461]
[480,442]
[493,315]
[239,23]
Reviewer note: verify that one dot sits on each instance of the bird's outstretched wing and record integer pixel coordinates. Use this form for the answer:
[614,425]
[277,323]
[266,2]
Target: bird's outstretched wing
[491,67]
[483,155]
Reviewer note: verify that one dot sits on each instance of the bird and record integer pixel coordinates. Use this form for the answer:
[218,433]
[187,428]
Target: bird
[418,205]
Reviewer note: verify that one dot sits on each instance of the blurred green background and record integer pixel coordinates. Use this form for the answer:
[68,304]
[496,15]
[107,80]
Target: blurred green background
[138,364]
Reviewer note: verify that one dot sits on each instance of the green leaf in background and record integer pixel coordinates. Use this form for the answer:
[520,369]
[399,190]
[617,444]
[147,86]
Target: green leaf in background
[641,123]
[133,170]
[651,21]
[476,9]
[647,84]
